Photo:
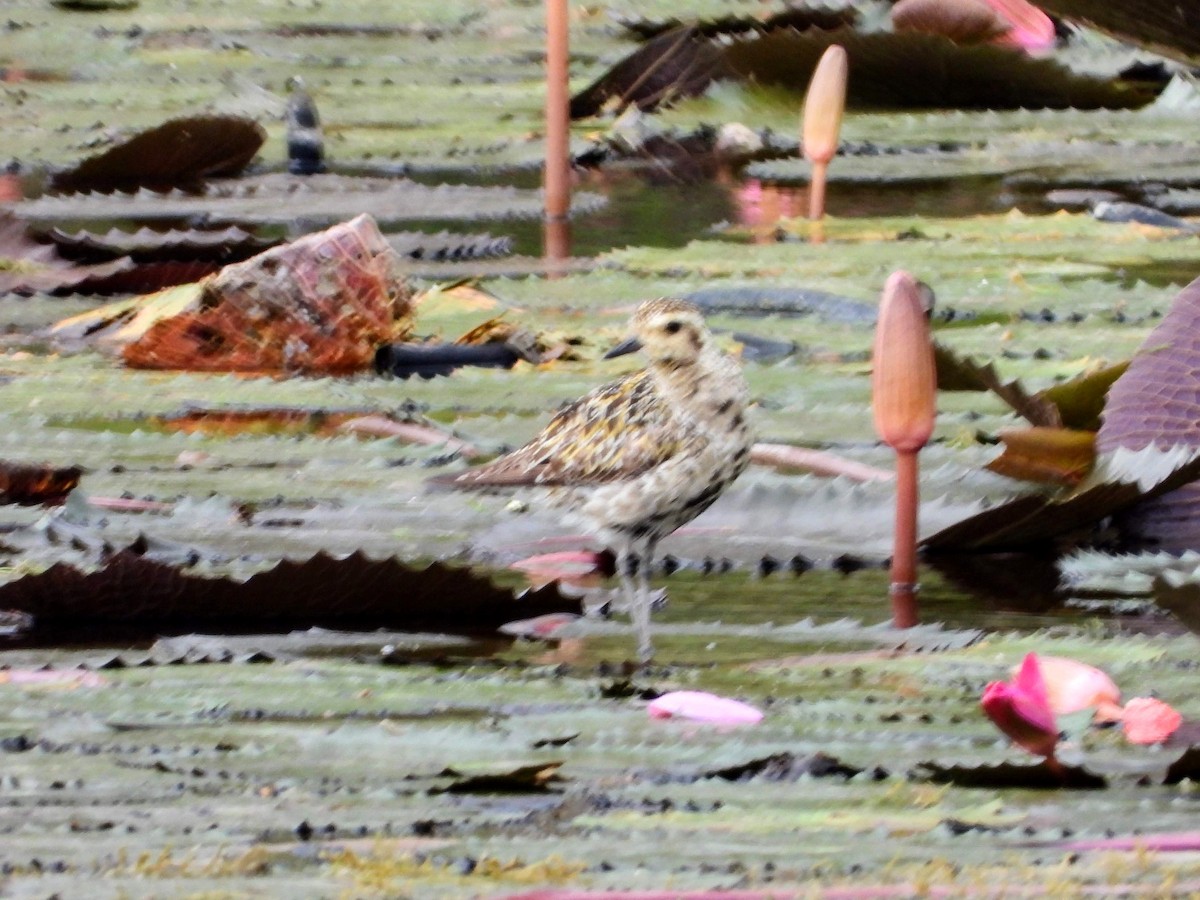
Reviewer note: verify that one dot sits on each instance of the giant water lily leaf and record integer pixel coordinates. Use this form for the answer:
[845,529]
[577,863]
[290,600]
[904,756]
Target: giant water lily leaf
[319,200]
[146,244]
[1037,776]
[1156,403]
[148,597]
[912,70]
[1118,480]
[1165,26]
[178,152]
[1060,456]
[800,18]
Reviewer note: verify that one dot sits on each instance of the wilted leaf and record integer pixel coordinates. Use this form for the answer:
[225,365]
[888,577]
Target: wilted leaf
[496,779]
[1052,455]
[229,421]
[322,303]
[116,324]
[139,595]
[921,70]
[1044,775]
[1080,401]
[1165,26]
[959,373]
[1156,403]
[33,485]
[679,63]
[178,152]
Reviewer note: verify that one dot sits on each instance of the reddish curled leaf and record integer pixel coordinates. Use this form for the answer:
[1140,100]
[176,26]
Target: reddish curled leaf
[32,485]
[1050,455]
[181,151]
[322,303]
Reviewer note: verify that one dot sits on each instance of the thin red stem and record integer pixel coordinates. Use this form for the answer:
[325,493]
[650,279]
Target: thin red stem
[904,553]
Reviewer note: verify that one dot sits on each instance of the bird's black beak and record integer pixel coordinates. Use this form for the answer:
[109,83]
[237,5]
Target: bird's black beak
[629,345]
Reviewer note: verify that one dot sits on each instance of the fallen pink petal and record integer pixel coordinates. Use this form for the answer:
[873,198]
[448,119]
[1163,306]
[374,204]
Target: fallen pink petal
[701,706]
[1150,721]
[539,627]
[1021,709]
[1031,28]
[1072,686]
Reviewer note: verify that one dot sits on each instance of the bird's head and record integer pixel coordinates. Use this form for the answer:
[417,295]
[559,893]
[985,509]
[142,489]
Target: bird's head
[667,330]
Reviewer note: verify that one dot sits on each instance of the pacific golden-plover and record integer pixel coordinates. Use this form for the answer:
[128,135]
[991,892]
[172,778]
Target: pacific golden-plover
[635,459]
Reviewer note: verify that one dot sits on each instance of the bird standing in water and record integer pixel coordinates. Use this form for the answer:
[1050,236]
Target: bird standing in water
[635,459]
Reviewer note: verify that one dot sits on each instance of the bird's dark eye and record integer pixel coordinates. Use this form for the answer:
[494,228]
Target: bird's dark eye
[672,327]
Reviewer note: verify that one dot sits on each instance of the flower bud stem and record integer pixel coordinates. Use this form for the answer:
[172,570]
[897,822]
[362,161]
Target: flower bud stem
[557,179]
[816,191]
[904,553]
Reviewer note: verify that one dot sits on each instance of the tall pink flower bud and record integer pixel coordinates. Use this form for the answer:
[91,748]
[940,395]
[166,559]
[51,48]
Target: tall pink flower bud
[822,120]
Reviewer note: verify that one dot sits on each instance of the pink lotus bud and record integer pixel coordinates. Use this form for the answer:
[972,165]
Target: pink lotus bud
[903,377]
[1021,710]
[701,706]
[824,104]
[1072,686]
[1149,721]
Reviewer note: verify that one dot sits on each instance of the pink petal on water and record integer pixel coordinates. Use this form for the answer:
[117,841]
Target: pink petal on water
[1071,685]
[701,706]
[539,627]
[1149,721]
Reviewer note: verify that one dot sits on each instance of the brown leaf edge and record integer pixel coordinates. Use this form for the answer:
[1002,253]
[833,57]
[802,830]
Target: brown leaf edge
[961,373]
[140,596]
[1036,776]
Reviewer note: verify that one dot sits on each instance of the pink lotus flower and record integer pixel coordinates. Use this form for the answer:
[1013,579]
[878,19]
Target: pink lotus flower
[1149,721]
[701,706]
[1030,28]
[1072,686]
[1020,708]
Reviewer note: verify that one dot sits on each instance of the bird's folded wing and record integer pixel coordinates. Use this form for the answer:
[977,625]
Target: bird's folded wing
[616,432]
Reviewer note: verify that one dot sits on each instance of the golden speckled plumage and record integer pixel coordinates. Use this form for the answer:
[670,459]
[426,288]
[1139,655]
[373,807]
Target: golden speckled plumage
[635,459]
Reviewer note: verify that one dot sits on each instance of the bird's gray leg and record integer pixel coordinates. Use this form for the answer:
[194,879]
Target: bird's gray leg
[641,608]
[627,568]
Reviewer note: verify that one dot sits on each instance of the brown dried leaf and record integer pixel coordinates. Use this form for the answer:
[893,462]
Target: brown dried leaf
[797,17]
[913,70]
[322,303]
[679,63]
[1048,455]
[491,331]
[227,422]
[153,598]
[33,485]
[960,373]
[178,152]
